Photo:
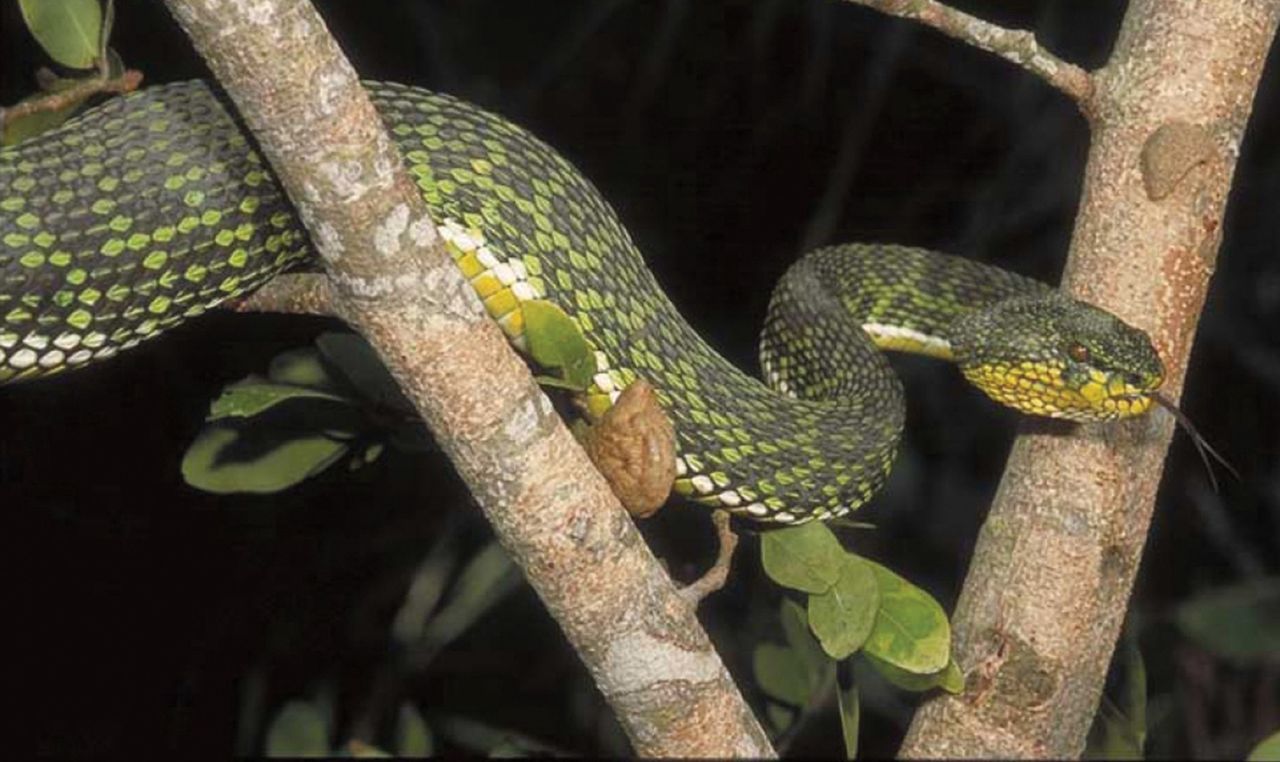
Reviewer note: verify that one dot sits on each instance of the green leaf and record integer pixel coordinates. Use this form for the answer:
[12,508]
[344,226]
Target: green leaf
[39,122]
[358,749]
[480,737]
[357,360]
[430,580]
[795,626]
[483,582]
[911,630]
[551,382]
[249,716]
[298,730]
[1111,736]
[70,31]
[1240,623]
[1135,691]
[781,674]
[115,64]
[556,342]
[847,700]
[807,557]
[300,367]
[843,616]
[1120,732]
[1267,751]
[250,397]
[780,717]
[949,678]
[220,461]
[413,737]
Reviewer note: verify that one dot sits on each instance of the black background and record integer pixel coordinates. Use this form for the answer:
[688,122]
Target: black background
[731,136]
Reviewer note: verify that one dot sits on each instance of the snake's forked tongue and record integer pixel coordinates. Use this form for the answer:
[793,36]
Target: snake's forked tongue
[1202,445]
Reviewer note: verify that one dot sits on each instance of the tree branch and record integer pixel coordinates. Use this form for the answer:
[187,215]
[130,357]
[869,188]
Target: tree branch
[392,280]
[83,89]
[292,293]
[1019,47]
[1054,565]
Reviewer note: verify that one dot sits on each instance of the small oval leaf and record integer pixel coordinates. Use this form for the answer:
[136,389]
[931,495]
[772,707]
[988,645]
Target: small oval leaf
[795,626]
[482,583]
[1240,622]
[556,342]
[413,737]
[219,461]
[70,31]
[298,730]
[807,557]
[300,367]
[949,678]
[1268,750]
[357,360]
[780,717]
[849,704]
[35,123]
[843,616]
[780,674]
[911,630]
[250,397]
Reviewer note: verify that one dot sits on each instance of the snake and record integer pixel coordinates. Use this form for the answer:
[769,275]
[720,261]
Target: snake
[155,207]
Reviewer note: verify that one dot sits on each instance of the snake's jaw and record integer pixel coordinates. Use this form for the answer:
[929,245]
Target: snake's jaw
[1057,357]
[1055,390]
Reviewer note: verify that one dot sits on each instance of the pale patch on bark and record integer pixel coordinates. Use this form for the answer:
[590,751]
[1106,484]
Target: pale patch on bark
[386,234]
[327,241]
[636,661]
[332,85]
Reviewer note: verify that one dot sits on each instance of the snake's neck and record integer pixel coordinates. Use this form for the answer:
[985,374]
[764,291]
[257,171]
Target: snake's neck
[910,300]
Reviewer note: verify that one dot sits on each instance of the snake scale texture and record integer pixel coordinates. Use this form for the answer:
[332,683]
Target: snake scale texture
[154,208]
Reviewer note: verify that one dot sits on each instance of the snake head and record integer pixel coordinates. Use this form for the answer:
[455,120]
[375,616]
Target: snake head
[1054,356]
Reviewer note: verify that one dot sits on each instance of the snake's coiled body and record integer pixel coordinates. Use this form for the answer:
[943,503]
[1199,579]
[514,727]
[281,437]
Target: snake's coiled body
[154,208]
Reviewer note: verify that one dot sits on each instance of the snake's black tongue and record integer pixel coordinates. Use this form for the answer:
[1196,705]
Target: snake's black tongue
[1202,445]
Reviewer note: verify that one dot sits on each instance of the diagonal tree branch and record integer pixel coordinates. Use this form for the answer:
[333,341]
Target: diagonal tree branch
[291,293]
[1017,46]
[391,279]
[1054,565]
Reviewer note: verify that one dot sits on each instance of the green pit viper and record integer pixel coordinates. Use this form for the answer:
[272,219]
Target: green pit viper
[154,208]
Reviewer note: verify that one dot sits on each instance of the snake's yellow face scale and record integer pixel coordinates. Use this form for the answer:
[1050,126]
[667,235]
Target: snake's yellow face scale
[1056,357]
[1049,389]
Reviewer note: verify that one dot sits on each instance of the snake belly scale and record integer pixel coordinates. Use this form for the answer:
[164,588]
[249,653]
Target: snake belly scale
[154,208]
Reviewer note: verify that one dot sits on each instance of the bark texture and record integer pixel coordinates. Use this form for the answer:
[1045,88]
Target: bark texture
[392,280]
[1054,565]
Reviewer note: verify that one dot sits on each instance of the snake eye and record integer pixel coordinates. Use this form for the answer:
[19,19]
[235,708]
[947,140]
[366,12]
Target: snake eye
[1078,352]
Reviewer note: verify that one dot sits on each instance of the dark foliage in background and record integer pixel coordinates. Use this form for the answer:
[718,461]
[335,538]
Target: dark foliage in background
[730,136]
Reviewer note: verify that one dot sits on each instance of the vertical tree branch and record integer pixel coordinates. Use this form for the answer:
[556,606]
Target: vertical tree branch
[392,280]
[1055,562]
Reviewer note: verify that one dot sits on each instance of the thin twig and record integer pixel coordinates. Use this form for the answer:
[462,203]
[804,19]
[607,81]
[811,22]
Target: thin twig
[86,88]
[1017,46]
[295,294]
[715,577]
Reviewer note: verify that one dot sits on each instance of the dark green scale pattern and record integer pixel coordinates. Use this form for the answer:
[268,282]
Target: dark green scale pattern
[913,288]
[153,208]
[139,214]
